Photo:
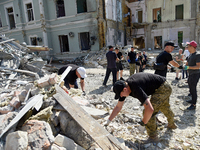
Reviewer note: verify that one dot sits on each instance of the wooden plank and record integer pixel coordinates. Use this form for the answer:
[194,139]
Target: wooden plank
[37,48]
[101,136]
[7,41]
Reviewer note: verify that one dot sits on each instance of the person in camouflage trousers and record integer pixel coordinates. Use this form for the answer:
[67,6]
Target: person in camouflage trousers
[140,86]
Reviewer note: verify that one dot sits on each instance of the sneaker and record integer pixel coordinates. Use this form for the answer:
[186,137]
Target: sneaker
[189,101]
[192,106]
[151,139]
[172,126]
[122,79]
[176,78]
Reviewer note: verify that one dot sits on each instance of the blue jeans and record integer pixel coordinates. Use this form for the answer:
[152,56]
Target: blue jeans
[114,73]
[184,72]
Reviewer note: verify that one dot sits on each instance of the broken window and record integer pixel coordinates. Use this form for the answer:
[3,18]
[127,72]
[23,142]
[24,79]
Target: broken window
[64,43]
[81,6]
[179,11]
[139,42]
[157,15]
[11,17]
[33,41]
[180,38]
[158,42]
[60,8]
[0,22]
[29,12]
[139,16]
[85,40]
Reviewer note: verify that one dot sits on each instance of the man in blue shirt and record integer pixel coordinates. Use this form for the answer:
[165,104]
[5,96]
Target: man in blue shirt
[111,65]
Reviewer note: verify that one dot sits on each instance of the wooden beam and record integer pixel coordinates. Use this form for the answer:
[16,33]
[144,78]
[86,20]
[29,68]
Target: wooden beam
[7,41]
[101,136]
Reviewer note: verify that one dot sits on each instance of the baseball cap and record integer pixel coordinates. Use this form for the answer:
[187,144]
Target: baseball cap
[118,88]
[82,72]
[193,43]
[170,43]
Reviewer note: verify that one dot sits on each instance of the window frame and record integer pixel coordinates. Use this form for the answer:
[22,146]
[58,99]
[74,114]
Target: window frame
[176,14]
[155,10]
[33,36]
[9,5]
[26,12]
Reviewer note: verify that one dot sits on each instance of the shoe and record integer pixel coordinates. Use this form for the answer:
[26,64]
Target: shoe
[105,85]
[189,101]
[189,94]
[122,79]
[172,126]
[192,106]
[176,78]
[151,139]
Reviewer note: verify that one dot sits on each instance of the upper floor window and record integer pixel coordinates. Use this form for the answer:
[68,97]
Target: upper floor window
[29,12]
[11,17]
[139,16]
[157,15]
[60,8]
[81,6]
[0,22]
[179,11]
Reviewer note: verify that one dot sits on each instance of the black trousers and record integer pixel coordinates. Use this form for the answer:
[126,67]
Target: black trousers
[192,82]
[114,73]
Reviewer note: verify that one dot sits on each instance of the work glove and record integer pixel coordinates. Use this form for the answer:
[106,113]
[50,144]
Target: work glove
[186,67]
[83,93]
[141,127]
[129,60]
[106,123]
[180,67]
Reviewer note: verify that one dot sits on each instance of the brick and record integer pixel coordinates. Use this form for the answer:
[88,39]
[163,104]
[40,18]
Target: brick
[15,102]
[42,82]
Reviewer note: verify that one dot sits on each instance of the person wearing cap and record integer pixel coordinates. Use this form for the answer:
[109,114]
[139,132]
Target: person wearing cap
[119,64]
[131,59]
[141,86]
[71,78]
[164,58]
[193,66]
[111,65]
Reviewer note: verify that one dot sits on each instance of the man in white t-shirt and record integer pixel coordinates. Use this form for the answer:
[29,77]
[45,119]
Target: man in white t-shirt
[185,54]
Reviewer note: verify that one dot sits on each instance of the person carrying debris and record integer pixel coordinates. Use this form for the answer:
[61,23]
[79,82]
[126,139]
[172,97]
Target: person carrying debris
[131,59]
[71,78]
[140,86]
[119,64]
[193,66]
[111,65]
[164,58]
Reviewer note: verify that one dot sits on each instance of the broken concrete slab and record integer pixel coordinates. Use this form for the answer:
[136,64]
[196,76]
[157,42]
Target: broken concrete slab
[17,141]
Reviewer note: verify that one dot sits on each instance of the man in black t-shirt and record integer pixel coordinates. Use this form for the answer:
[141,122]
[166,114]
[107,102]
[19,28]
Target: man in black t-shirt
[71,78]
[119,64]
[164,58]
[111,65]
[141,86]
[193,66]
[131,59]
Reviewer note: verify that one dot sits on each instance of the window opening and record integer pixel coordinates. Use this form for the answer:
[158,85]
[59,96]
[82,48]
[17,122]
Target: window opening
[180,38]
[81,6]
[139,16]
[60,8]
[64,43]
[85,41]
[179,12]
[34,41]
[11,17]
[157,15]
[158,42]
[30,12]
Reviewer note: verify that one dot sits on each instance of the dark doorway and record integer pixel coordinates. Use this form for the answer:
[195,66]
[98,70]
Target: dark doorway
[158,42]
[64,44]
[85,40]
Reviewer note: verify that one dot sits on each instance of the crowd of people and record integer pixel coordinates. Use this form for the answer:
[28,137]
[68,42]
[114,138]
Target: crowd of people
[152,90]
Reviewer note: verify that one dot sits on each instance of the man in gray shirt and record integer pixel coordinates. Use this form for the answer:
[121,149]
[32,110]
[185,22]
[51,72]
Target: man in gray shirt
[193,66]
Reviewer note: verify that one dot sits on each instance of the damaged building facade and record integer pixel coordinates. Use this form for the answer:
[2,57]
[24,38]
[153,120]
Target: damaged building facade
[66,26]
[153,22]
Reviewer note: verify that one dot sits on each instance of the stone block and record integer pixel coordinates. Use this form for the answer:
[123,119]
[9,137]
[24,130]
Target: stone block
[15,102]
[22,95]
[67,143]
[17,141]
[42,82]
[53,79]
